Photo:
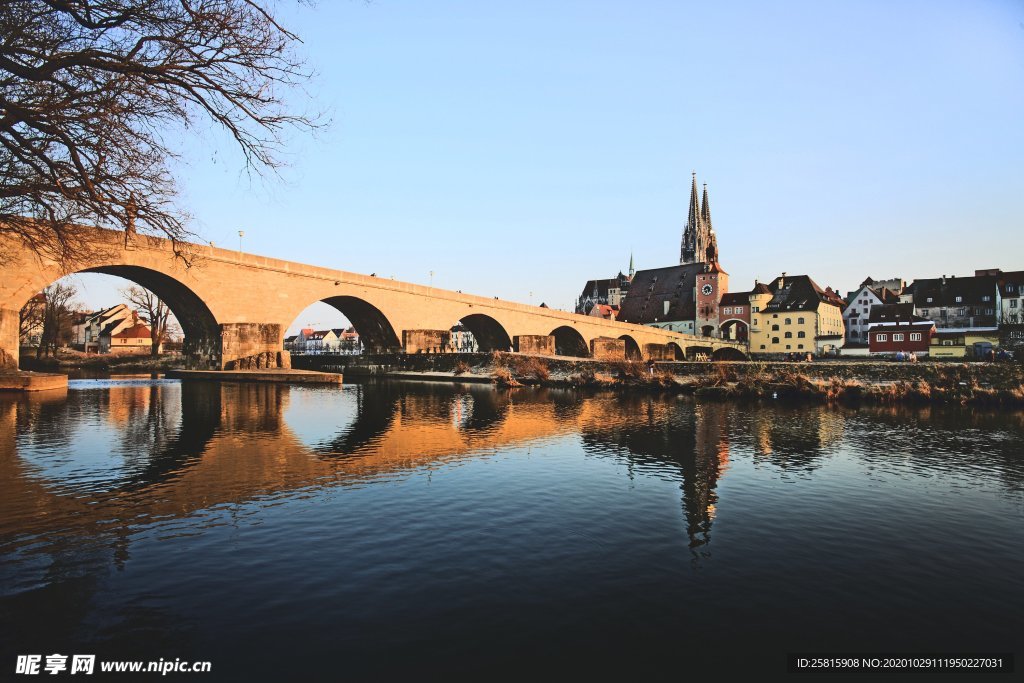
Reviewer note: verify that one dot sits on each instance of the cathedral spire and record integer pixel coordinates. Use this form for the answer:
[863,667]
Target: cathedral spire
[691,247]
[705,209]
[631,270]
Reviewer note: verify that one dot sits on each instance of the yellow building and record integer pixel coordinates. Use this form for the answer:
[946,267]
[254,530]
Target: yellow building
[961,343]
[794,315]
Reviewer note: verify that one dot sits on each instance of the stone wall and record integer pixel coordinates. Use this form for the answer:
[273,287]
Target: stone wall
[9,346]
[605,348]
[419,341]
[536,344]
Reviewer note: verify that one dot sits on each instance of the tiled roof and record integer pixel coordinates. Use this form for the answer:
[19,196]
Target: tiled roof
[944,291]
[894,313]
[1012,284]
[735,299]
[136,331]
[798,293]
[650,289]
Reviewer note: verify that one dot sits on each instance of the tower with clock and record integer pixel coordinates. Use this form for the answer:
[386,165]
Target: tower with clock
[711,285]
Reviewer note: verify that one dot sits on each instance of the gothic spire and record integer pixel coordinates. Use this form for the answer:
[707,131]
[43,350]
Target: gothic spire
[705,208]
[631,271]
[688,252]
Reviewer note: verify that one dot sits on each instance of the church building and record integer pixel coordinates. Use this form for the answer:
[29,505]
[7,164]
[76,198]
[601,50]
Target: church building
[683,298]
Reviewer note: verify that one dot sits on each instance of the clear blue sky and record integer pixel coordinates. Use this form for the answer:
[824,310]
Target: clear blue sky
[526,147]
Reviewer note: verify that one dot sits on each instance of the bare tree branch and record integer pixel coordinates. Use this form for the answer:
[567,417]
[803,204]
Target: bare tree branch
[88,89]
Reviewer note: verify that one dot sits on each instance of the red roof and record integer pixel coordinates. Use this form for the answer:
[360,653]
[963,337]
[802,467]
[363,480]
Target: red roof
[137,331]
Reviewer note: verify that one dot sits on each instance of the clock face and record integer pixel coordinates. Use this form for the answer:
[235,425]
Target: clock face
[706,289]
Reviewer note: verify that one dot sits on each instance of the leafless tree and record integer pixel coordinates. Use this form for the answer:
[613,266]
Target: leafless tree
[93,91]
[30,319]
[56,318]
[153,312]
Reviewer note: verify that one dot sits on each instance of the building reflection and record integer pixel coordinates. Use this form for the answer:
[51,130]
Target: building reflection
[179,449]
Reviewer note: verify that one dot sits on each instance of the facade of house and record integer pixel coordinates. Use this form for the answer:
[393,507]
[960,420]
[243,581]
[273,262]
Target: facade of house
[859,304]
[798,317]
[88,329]
[133,339]
[894,328]
[734,311]
[1011,319]
[605,311]
[964,310]
[336,340]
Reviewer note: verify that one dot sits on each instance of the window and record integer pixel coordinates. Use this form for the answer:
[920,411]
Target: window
[775,328]
[959,299]
[775,340]
[762,346]
[775,315]
[866,311]
[986,298]
[789,321]
[801,334]
[990,311]
[930,299]
[739,310]
[853,334]
[897,337]
[961,311]
[788,347]
[789,335]
[924,311]
[799,346]
[755,309]
[1009,288]
[727,311]
[1013,303]
[915,336]
[800,321]
[880,337]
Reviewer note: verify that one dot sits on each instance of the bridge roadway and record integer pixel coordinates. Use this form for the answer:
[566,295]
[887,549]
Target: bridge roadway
[234,307]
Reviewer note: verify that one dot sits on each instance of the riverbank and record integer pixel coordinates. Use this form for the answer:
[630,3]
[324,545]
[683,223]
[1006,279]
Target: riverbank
[988,384]
[114,363]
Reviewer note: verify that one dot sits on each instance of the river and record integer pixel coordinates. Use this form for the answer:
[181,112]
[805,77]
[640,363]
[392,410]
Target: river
[393,531]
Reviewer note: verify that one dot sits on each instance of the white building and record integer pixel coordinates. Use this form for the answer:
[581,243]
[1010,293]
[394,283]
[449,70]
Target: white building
[860,302]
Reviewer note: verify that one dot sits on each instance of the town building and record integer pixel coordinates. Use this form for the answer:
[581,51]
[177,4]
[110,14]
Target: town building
[963,310]
[136,338]
[1011,319]
[859,303]
[894,328]
[735,316]
[92,332]
[799,317]
[663,297]
[606,292]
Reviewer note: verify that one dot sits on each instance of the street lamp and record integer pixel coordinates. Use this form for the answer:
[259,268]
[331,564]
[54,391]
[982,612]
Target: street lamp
[241,234]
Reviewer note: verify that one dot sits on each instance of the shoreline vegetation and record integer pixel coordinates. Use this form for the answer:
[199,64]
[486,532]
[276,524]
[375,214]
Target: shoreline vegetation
[977,384]
[859,381]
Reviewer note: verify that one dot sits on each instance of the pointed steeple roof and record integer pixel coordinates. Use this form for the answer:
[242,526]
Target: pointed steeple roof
[631,269]
[705,208]
[693,219]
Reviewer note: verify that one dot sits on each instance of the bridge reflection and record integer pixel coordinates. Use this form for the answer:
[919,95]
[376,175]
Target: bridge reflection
[161,451]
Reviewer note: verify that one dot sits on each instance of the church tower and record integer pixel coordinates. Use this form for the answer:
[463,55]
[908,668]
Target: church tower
[698,237]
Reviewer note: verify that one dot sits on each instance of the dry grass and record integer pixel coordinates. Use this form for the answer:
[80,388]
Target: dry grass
[503,377]
[461,367]
[529,368]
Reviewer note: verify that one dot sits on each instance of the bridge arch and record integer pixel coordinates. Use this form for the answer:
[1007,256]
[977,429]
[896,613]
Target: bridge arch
[728,353]
[704,352]
[677,351]
[632,348]
[202,346]
[376,332]
[490,335]
[569,342]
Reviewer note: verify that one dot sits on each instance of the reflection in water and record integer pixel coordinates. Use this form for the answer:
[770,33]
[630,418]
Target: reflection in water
[545,493]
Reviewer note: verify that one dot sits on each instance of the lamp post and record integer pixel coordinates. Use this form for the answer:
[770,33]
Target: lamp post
[241,234]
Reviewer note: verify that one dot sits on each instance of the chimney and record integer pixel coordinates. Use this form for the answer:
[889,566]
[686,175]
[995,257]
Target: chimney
[943,278]
[781,281]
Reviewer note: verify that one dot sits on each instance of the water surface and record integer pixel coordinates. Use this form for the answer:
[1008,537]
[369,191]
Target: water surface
[400,530]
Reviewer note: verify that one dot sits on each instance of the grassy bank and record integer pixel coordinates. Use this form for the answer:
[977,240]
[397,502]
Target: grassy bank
[109,362]
[884,383]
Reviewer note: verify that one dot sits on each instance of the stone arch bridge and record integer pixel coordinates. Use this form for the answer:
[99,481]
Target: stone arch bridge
[234,307]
